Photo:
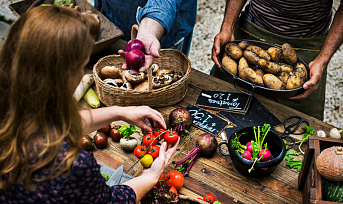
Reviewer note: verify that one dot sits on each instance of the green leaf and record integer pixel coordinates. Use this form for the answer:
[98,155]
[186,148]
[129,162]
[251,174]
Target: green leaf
[295,164]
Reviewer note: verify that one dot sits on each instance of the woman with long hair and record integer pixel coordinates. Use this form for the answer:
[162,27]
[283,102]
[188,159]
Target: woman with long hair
[41,63]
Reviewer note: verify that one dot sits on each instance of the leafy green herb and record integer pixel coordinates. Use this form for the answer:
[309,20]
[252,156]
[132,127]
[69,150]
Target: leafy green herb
[127,131]
[106,176]
[289,157]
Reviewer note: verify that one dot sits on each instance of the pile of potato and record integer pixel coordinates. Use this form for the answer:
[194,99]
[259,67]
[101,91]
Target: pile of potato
[274,68]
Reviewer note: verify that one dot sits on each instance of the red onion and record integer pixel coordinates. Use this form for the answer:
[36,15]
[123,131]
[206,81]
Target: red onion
[135,59]
[135,44]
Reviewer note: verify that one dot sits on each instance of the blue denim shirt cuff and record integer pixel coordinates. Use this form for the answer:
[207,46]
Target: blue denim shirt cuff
[164,17]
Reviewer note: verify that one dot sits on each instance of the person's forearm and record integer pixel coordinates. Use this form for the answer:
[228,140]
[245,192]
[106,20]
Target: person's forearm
[334,39]
[232,11]
[97,118]
[149,26]
[142,184]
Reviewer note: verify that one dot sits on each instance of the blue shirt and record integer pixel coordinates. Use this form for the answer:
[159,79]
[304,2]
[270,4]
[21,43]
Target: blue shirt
[176,16]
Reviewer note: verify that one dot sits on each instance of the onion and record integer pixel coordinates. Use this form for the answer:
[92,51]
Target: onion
[135,44]
[180,120]
[135,59]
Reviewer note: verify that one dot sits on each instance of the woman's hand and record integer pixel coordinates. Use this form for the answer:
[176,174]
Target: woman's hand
[136,115]
[161,161]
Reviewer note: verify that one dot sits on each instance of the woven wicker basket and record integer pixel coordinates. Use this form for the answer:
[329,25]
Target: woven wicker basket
[165,96]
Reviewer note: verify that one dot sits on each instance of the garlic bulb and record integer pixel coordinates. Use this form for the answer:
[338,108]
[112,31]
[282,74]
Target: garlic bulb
[334,133]
[321,133]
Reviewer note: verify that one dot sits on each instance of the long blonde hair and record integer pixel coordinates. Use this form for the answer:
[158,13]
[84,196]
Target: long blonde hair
[42,54]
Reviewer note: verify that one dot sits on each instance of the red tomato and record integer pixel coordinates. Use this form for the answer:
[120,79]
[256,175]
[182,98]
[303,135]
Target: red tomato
[115,135]
[176,179]
[140,151]
[154,151]
[161,180]
[105,129]
[149,139]
[171,137]
[159,133]
[209,198]
[100,140]
[173,190]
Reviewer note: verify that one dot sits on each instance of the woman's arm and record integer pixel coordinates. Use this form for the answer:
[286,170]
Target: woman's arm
[95,119]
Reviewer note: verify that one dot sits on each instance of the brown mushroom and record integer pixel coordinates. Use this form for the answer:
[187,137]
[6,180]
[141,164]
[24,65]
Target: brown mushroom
[161,81]
[164,71]
[109,72]
[176,75]
[155,68]
[134,78]
[114,82]
[144,86]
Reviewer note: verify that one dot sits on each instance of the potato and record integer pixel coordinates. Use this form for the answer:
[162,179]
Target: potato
[243,63]
[250,75]
[272,82]
[294,81]
[275,54]
[286,67]
[300,70]
[243,45]
[283,76]
[259,51]
[251,57]
[234,51]
[289,54]
[269,67]
[259,72]
[230,65]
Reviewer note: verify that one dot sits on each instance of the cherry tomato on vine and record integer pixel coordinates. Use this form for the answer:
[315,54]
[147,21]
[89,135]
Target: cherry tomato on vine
[171,137]
[173,190]
[140,151]
[149,139]
[106,129]
[161,180]
[146,161]
[176,179]
[159,133]
[209,198]
[154,151]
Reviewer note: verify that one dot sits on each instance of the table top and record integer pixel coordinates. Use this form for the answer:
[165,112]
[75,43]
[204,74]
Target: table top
[217,175]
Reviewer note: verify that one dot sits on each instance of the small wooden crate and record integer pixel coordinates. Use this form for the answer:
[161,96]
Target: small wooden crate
[109,33]
[309,178]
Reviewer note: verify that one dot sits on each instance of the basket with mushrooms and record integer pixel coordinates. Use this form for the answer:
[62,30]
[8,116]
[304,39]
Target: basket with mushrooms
[163,84]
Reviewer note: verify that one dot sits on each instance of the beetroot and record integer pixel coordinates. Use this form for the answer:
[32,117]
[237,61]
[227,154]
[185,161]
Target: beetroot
[180,120]
[266,154]
[135,44]
[135,59]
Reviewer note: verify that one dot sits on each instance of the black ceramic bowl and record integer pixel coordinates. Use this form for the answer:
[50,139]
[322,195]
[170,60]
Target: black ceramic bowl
[261,169]
[238,82]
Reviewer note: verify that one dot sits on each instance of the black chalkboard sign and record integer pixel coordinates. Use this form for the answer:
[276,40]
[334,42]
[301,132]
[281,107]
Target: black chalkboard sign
[207,121]
[224,101]
[257,115]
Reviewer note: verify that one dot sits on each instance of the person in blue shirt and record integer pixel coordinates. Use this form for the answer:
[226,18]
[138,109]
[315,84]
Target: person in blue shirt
[162,23]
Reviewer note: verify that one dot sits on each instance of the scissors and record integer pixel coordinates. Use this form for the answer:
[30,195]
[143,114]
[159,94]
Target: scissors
[292,128]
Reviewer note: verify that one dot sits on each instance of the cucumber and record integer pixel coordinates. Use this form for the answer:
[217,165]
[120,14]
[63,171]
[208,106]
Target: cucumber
[91,98]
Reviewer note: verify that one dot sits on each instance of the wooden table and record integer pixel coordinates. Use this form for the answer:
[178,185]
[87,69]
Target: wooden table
[217,175]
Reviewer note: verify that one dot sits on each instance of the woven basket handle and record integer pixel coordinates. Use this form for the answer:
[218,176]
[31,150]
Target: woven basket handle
[36,3]
[134,31]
